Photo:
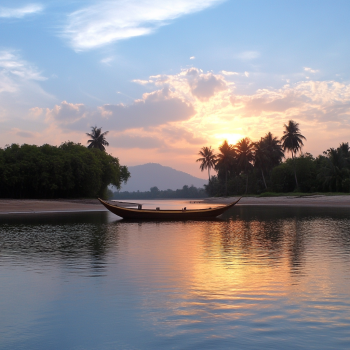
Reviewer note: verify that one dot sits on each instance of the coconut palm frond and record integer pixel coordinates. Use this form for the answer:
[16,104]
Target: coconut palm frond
[98,139]
[208,159]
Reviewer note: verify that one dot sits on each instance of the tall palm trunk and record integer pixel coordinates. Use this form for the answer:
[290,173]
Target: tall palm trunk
[262,173]
[226,182]
[209,173]
[295,171]
[246,184]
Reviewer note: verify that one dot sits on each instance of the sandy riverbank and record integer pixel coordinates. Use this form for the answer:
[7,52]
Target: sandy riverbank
[307,201]
[11,206]
[17,206]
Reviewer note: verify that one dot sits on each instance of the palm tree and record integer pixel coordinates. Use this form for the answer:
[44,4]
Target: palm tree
[245,154]
[98,139]
[225,159]
[268,153]
[261,157]
[334,171]
[208,159]
[345,151]
[292,141]
[274,150]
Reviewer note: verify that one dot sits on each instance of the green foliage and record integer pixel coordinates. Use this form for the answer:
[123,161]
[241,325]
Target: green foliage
[307,173]
[236,185]
[267,154]
[68,171]
[245,157]
[292,139]
[226,163]
[154,192]
[214,187]
[335,169]
[282,176]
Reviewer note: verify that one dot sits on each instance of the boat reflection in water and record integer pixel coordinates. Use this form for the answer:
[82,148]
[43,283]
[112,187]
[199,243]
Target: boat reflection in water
[257,277]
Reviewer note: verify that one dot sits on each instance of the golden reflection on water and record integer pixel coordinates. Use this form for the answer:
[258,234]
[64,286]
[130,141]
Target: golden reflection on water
[235,270]
[268,277]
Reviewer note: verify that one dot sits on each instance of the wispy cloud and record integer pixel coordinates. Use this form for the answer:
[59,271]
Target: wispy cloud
[112,20]
[20,12]
[248,55]
[107,60]
[310,70]
[11,63]
[20,89]
[224,72]
[142,82]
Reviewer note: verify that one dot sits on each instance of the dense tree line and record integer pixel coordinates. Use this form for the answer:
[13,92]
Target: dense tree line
[154,192]
[262,166]
[67,171]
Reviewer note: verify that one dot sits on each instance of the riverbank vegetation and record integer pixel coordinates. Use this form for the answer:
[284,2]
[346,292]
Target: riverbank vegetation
[67,171]
[155,193]
[263,167]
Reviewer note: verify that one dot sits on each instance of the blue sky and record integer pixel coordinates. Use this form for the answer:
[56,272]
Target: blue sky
[166,78]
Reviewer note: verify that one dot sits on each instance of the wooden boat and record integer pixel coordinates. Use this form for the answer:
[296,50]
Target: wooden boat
[156,214]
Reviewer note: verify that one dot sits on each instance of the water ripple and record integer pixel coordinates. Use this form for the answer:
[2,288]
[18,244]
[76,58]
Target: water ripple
[266,278]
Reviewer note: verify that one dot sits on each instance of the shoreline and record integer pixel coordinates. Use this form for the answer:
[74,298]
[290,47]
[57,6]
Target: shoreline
[39,206]
[342,201]
[33,206]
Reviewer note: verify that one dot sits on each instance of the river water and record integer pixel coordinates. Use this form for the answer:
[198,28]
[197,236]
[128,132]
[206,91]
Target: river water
[256,278]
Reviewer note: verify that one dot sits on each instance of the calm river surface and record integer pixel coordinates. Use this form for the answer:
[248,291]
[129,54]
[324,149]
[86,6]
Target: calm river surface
[257,278]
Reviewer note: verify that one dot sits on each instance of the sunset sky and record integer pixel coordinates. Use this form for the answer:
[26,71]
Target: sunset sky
[169,77]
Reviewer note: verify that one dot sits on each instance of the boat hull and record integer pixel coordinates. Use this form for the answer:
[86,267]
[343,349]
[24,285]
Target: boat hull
[149,214]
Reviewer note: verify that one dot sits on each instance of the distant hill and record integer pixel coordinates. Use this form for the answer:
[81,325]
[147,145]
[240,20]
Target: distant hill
[145,176]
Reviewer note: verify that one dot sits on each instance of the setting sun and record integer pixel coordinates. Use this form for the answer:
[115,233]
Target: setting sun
[231,138]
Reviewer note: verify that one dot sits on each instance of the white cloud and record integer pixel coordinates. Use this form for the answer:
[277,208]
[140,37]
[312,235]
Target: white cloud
[193,108]
[307,69]
[142,82]
[311,102]
[67,113]
[248,55]
[20,90]
[156,108]
[20,12]
[317,105]
[224,72]
[14,71]
[107,60]
[111,20]
[192,58]
[204,86]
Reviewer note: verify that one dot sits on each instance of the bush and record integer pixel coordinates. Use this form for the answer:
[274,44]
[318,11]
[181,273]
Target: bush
[236,185]
[306,173]
[282,178]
